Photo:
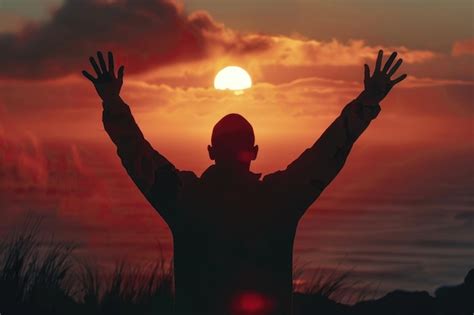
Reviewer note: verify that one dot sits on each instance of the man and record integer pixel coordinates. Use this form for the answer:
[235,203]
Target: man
[233,233]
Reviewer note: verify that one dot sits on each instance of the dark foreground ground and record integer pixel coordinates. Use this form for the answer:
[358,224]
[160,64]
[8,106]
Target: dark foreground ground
[448,300]
[455,300]
[37,277]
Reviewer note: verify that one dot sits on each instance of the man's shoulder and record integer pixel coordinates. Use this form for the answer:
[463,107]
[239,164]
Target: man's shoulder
[188,176]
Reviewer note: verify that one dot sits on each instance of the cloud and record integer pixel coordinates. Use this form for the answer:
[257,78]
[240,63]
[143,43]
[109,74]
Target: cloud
[31,168]
[11,22]
[416,82]
[463,47]
[148,34]
[143,34]
[64,183]
[23,164]
[287,59]
[306,52]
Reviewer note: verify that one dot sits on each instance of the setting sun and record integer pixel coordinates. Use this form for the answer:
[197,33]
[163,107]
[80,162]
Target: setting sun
[233,78]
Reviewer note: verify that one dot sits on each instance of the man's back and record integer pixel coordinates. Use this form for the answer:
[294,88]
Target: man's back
[233,244]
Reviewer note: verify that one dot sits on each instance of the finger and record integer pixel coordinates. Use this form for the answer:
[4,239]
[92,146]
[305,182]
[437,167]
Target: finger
[400,78]
[389,62]
[120,73]
[95,66]
[89,76]
[378,64]
[102,62]
[366,72]
[395,67]
[111,63]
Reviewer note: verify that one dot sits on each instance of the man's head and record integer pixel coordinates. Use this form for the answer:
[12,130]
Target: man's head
[233,142]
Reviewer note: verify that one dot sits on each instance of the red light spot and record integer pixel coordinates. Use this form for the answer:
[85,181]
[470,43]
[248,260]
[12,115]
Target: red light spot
[252,303]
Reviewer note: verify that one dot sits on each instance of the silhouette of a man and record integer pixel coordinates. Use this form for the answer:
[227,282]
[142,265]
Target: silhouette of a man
[233,232]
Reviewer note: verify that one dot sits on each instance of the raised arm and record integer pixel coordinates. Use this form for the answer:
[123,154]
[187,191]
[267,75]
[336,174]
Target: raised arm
[306,177]
[153,174]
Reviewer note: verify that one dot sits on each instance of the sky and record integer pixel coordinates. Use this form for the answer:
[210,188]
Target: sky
[306,60]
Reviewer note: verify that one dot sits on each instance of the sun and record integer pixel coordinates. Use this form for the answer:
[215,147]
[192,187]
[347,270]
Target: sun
[233,78]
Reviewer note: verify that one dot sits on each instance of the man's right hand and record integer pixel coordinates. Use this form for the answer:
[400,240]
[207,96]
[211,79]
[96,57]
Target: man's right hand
[107,84]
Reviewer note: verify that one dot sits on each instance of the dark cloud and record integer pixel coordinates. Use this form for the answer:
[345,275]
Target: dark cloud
[142,33]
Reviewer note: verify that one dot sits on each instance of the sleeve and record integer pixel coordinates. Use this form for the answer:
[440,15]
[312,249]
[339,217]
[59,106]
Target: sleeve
[153,174]
[301,183]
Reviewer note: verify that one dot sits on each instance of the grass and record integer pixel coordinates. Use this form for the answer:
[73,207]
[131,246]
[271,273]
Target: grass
[41,276]
[33,278]
[337,285]
[44,277]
